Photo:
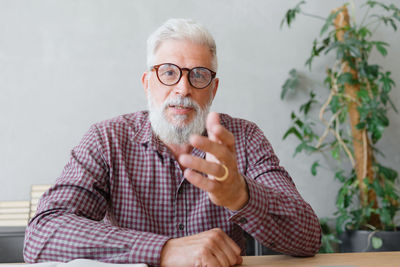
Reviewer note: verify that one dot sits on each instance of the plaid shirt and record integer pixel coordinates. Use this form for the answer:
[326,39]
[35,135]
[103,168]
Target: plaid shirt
[122,195]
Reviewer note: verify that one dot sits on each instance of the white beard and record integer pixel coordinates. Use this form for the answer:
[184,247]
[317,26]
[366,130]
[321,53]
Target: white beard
[176,132]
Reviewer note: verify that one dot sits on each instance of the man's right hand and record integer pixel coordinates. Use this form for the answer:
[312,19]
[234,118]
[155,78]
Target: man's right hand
[210,248]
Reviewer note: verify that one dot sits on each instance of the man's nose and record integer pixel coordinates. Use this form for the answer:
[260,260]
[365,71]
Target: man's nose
[183,87]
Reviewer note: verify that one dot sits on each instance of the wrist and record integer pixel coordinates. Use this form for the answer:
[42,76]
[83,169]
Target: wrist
[165,252]
[242,198]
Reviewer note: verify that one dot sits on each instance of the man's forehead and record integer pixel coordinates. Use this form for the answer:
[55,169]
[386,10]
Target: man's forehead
[183,51]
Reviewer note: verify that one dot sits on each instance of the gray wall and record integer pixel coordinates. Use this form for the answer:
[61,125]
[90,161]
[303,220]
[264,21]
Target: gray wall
[67,64]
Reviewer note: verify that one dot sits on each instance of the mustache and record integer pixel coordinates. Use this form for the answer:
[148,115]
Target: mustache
[186,102]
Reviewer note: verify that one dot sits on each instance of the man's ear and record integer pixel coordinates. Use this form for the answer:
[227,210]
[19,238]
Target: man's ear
[145,81]
[216,83]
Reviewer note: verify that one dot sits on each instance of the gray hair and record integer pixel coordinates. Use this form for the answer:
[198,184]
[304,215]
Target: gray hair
[181,29]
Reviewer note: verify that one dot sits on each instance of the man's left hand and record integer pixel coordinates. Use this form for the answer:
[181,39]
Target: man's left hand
[219,146]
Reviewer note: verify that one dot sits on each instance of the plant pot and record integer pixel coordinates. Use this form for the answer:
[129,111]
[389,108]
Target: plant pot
[361,241]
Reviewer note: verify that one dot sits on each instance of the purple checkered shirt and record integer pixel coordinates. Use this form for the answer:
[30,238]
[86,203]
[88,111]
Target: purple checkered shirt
[122,195]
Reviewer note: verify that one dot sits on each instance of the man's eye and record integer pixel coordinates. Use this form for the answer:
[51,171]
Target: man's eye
[168,73]
[198,75]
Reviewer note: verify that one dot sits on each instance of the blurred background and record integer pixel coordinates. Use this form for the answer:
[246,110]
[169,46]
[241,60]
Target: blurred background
[67,64]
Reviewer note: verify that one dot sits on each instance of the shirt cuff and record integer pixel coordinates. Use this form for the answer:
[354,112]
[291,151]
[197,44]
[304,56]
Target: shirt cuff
[256,207]
[147,249]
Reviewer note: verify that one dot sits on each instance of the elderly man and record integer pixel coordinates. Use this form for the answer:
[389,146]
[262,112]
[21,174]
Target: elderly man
[174,186]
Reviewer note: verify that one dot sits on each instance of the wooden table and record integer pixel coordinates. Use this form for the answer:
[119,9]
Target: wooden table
[367,259]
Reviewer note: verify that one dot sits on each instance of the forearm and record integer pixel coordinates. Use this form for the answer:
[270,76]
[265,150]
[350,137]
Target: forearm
[281,221]
[63,237]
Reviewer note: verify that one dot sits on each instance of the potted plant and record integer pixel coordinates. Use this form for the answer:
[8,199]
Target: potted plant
[351,119]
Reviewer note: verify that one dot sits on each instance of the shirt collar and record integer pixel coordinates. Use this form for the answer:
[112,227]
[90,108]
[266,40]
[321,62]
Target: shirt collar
[144,132]
[146,136]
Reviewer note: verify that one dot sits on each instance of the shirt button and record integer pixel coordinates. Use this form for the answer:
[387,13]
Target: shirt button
[181,226]
[243,220]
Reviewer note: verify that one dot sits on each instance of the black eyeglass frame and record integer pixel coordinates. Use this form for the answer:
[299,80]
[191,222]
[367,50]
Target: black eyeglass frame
[156,67]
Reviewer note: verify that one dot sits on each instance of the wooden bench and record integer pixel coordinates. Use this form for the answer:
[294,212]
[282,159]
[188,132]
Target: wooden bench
[36,192]
[14,213]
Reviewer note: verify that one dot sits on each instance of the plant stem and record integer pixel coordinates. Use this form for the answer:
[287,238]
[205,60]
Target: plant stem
[346,149]
[376,27]
[313,16]
[373,22]
[365,17]
[365,147]
[353,11]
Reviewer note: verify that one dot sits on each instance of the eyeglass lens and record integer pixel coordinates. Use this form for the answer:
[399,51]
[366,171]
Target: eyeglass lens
[170,74]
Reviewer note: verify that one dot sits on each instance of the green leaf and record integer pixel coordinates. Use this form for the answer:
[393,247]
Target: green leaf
[363,111]
[373,3]
[314,168]
[393,106]
[307,106]
[382,118]
[385,216]
[396,13]
[376,242]
[291,83]
[394,26]
[335,152]
[386,82]
[343,114]
[304,146]
[340,177]
[372,71]
[354,51]
[388,173]
[387,20]
[377,188]
[329,22]
[363,95]
[364,32]
[326,242]
[335,104]
[291,14]
[380,47]
[328,79]
[294,131]
[346,77]
[341,222]
[299,122]
[360,125]
[316,50]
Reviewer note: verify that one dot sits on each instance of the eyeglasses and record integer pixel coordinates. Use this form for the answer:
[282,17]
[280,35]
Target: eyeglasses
[170,74]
